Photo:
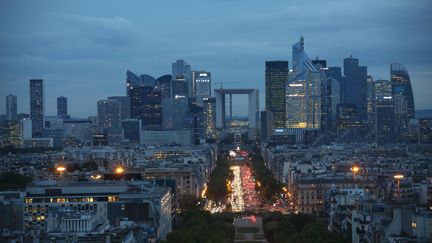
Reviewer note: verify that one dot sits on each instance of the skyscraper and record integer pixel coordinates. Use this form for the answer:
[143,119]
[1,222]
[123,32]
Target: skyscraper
[62,106]
[182,79]
[403,100]
[201,86]
[145,104]
[108,114]
[384,112]
[124,102]
[276,77]
[174,112]
[303,92]
[164,85]
[354,86]
[209,109]
[11,107]
[332,96]
[37,106]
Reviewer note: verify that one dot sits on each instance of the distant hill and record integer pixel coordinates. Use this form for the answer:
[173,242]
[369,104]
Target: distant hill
[423,113]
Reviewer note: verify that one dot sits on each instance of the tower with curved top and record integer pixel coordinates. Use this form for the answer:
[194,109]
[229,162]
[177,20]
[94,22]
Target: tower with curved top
[403,98]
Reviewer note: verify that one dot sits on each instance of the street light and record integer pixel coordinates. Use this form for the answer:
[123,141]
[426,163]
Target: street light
[60,169]
[354,170]
[398,177]
[119,170]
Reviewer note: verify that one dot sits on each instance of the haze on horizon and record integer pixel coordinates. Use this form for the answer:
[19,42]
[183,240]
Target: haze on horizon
[82,48]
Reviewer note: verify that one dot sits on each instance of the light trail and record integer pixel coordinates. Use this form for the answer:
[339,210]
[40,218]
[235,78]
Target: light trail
[237,202]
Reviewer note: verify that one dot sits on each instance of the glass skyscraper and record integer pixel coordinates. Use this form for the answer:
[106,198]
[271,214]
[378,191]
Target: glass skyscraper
[11,107]
[303,92]
[145,104]
[182,79]
[403,100]
[37,106]
[384,112]
[62,106]
[276,77]
[201,86]
[354,86]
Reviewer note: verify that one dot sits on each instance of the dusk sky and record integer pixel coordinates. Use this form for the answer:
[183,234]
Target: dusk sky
[82,49]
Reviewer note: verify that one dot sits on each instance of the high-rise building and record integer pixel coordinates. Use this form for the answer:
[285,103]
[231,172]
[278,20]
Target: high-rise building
[11,107]
[201,86]
[276,77]
[131,130]
[403,100]
[181,79]
[303,91]
[133,80]
[124,102]
[354,86]
[174,111]
[384,112]
[108,114]
[164,85]
[146,105]
[37,106]
[62,110]
[370,99]
[331,96]
[209,109]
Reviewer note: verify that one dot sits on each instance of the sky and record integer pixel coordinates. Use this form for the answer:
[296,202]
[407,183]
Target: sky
[82,48]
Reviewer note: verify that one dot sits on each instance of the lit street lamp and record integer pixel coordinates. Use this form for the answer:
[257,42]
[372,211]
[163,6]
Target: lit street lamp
[119,170]
[354,170]
[398,177]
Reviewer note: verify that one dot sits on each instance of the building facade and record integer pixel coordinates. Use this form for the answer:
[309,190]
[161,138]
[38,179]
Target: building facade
[276,77]
[37,106]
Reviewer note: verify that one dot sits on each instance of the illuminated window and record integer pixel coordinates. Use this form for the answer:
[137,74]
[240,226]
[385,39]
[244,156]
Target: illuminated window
[414,225]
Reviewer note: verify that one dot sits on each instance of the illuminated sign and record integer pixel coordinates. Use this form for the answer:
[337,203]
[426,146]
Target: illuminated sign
[295,85]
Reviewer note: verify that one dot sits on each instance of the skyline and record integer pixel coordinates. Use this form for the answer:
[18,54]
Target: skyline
[92,45]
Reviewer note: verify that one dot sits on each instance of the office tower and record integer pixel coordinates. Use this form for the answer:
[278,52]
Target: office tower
[370,99]
[124,102]
[195,122]
[37,106]
[62,106]
[164,85]
[174,112]
[201,86]
[146,105]
[267,126]
[276,77]
[182,79]
[384,112]
[11,108]
[108,114]
[303,92]
[354,86]
[332,96]
[209,109]
[133,79]
[131,130]
[403,100]
[346,117]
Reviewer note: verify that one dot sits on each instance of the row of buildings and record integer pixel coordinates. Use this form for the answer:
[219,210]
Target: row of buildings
[311,102]
[141,199]
[366,193]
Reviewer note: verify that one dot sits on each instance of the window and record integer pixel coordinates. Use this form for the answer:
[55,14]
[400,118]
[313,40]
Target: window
[413,225]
